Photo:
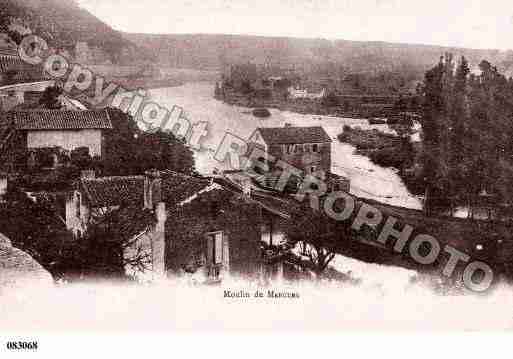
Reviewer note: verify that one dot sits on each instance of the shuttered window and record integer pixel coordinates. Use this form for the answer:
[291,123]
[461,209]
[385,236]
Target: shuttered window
[215,248]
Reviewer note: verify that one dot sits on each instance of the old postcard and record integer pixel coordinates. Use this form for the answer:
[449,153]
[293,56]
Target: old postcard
[237,165]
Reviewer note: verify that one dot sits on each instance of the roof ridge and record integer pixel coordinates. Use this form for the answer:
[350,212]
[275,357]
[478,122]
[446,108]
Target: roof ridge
[97,179]
[60,111]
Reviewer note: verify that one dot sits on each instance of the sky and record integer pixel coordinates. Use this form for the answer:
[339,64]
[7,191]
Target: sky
[463,23]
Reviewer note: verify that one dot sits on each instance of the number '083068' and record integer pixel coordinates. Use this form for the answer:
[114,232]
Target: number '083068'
[21,346]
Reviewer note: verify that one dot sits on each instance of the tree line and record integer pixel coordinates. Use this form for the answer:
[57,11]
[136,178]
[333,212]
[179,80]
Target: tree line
[467,130]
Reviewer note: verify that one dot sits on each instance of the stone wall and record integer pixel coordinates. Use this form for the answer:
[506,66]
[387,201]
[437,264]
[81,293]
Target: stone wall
[18,269]
[300,159]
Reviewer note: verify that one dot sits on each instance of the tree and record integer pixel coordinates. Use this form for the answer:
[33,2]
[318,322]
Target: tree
[317,235]
[111,244]
[131,151]
[38,228]
[50,98]
[81,159]
[467,128]
[330,99]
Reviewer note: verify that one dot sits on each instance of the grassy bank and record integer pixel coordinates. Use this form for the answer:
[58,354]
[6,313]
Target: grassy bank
[302,106]
[384,149]
[387,150]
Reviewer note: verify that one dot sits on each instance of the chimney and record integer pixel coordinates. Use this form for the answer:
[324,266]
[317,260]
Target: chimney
[158,243]
[153,201]
[246,187]
[3,185]
[152,189]
[87,174]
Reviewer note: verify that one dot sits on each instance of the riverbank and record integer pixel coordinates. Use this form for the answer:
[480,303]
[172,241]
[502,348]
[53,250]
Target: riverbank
[387,150]
[300,106]
[147,83]
[384,149]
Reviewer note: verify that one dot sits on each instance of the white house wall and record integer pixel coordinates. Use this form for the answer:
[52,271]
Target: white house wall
[69,140]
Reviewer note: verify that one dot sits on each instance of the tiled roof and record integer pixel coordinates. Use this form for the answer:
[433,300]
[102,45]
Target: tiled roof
[279,205]
[177,187]
[9,51]
[21,71]
[129,190]
[10,61]
[61,120]
[114,191]
[6,130]
[293,135]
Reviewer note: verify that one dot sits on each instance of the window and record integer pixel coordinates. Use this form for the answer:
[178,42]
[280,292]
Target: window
[313,169]
[296,148]
[78,204]
[289,149]
[315,148]
[307,148]
[215,248]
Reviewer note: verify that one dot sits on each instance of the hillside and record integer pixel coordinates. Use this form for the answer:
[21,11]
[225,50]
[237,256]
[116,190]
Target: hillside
[212,51]
[64,24]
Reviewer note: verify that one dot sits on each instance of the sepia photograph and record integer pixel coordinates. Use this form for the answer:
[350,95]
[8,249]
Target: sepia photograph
[237,166]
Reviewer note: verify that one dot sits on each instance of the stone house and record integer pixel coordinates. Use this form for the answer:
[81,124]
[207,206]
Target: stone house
[306,148]
[68,130]
[295,93]
[227,229]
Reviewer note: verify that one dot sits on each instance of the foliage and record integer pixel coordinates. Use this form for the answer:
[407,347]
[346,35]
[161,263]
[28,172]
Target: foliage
[62,24]
[130,151]
[467,127]
[50,98]
[103,250]
[330,99]
[317,235]
[38,228]
[34,227]
[81,159]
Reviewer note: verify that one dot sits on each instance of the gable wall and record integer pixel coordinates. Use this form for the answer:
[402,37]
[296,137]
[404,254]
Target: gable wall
[304,160]
[240,222]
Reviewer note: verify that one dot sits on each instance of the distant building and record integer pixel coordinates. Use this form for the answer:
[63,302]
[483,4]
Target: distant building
[295,93]
[306,148]
[68,130]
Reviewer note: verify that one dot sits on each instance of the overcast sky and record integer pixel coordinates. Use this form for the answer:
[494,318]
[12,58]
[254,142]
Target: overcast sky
[466,23]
